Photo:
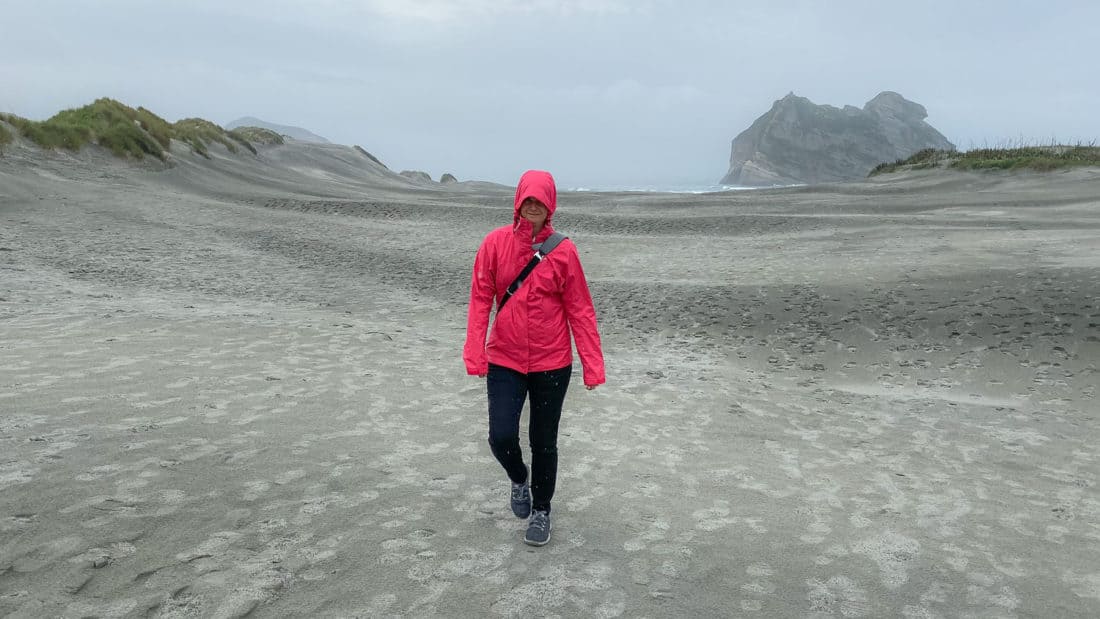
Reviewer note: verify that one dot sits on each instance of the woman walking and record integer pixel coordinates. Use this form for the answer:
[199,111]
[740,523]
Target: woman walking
[529,355]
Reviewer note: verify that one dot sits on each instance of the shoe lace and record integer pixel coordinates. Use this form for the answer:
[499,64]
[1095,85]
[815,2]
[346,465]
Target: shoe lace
[520,492]
[540,521]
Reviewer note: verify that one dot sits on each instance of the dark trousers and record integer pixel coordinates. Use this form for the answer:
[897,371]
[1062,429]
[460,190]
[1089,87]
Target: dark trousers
[507,391]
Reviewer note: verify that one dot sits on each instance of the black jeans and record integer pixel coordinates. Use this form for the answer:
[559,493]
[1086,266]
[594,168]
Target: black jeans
[507,391]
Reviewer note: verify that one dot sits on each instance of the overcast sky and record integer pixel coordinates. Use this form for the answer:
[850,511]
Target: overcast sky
[606,93]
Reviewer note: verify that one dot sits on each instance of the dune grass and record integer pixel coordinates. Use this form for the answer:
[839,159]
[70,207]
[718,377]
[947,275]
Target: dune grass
[5,136]
[258,135]
[1018,157]
[155,126]
[199,133]
[125,131]
[1041,158]
[105,122]
[49,135]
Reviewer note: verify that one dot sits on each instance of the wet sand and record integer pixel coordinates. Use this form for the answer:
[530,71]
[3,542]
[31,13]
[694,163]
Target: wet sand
[237,388]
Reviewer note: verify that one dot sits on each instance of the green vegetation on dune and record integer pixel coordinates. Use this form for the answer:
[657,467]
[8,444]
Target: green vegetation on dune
[259,135]
[105,122]
[49,135]
[1038,158]
[5,136]
[125,131]
[155,126]
[242,140]
[199,133]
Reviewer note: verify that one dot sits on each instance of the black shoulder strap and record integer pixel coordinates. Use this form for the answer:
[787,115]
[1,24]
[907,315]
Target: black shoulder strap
[541,250]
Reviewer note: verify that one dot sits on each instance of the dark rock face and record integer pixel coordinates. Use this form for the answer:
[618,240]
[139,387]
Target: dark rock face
[448,178]
[800,142]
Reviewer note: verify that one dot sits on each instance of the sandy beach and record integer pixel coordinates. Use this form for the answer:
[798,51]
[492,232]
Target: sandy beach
[235,386]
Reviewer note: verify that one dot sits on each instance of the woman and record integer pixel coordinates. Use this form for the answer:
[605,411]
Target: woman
[529,352]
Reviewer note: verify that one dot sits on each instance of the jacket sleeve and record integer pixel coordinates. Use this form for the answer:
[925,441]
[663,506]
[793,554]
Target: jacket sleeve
[482,292]
[582,319]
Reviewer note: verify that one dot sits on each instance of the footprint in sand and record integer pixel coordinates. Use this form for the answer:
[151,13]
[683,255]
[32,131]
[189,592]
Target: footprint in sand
[256,489]
[838,596]
[714,518]
[893,553]
[656,529]
[290,476]
[759,587]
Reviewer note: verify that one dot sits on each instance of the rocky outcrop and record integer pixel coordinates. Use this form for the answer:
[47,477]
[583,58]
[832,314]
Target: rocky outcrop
[800,142]
[447,178]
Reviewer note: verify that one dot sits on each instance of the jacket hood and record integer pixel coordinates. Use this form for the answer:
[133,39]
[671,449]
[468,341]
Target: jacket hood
[536,184]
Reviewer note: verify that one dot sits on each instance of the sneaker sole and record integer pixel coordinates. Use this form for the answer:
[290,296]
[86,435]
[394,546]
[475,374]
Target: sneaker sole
[531,542]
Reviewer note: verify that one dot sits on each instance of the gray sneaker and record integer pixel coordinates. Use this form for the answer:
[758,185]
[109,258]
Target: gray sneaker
[521,498]
[538,529]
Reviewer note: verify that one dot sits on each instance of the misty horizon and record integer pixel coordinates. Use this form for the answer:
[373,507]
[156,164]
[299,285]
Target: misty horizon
[602,94]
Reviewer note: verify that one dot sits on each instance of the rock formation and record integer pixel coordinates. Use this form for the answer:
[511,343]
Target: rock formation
[448,178]
[800,142]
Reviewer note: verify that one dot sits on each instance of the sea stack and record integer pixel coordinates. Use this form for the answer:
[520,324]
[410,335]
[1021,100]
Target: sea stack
[799,142]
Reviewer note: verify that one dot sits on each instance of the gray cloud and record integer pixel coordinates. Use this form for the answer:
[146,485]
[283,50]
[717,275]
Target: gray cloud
[602,93]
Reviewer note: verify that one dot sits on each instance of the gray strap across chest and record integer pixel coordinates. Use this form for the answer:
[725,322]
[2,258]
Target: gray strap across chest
[541,250]
[549,244]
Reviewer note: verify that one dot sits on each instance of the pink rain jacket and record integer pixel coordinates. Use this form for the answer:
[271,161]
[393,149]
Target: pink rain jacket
[532,333]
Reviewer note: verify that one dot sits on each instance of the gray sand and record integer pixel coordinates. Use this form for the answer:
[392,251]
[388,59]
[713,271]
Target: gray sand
[226,389]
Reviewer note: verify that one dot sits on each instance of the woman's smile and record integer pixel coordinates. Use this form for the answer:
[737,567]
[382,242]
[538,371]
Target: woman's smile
[533,211]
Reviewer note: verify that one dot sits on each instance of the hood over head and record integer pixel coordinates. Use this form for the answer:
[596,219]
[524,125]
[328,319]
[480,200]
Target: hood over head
[537,184]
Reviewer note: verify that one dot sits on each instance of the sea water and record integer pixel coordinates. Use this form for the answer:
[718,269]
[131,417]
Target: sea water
[670,188]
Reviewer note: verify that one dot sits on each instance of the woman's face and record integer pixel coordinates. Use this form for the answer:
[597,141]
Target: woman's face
[533,211]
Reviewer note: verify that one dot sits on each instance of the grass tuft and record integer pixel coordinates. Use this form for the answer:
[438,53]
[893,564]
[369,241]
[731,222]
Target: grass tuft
[58,134]
[1014,157]
[259,135]
[155,126]
[5,136]
[125,131]
[242,140]
[106,121]
[199,132]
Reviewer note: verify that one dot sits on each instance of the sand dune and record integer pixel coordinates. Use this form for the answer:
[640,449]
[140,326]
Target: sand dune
[235,386]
